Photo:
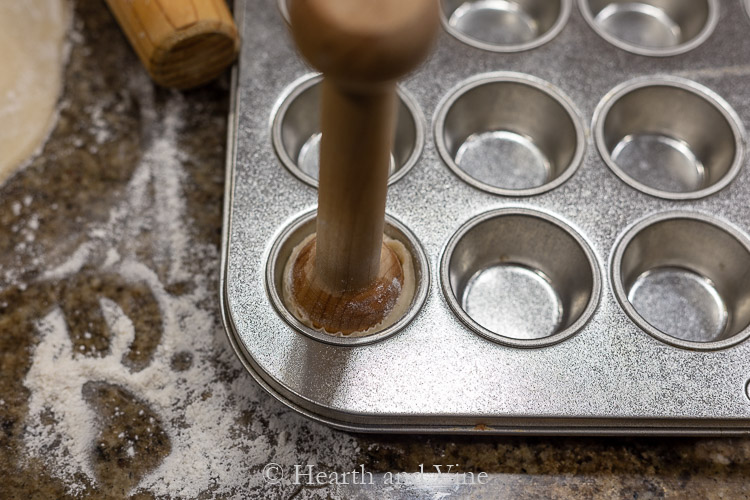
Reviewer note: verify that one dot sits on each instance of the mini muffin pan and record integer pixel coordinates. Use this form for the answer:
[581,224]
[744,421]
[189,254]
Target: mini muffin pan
[571,179]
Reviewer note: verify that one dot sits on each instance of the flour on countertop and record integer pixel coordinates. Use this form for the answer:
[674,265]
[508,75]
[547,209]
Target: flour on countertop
[211,451]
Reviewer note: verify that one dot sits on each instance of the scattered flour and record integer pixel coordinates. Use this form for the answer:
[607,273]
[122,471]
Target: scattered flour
[71,266]
[211,451]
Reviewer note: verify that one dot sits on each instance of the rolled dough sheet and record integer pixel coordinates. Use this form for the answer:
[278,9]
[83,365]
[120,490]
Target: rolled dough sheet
[32,35]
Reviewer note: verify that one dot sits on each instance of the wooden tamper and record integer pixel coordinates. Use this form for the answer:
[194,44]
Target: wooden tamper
[345,279]
[182,43]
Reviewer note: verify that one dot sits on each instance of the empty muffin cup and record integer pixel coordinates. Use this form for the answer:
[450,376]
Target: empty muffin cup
[685,279]
[505,25]
[652,27]
[669,137]
[520,277]
[296,131]
[304,226]
[510,134]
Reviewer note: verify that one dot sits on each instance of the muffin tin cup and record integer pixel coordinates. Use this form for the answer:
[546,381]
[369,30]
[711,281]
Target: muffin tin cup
[684,278]
[510,134]
[520,277]
[293,234]
[652,27]
[669,137]
[505,25]
[295,131]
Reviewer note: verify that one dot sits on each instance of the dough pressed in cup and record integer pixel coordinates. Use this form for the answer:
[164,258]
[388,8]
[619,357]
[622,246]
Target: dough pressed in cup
[400,309]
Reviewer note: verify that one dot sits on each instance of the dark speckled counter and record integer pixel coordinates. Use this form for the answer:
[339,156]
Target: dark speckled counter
[72,185]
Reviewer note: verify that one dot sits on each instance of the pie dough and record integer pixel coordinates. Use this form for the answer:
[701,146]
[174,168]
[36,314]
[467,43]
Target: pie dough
[32,35]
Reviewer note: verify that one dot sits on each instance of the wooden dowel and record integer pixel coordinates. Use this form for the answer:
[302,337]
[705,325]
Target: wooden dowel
[346,280]
[355,154]
[182,43]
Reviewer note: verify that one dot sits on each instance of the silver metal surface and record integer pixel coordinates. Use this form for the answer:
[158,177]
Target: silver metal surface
[685,278]
[681,303]
[520,277]
[296,131]
[505,25]
[670,137]
[283,6]
[439,375]
[510,134]
[652,27]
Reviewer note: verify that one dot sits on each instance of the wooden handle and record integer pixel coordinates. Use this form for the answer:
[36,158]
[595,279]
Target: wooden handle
[355,152]
[182,43]
[362,47]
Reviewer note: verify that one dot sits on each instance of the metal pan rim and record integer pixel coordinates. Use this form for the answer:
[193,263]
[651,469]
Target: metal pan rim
[304,83]
[711,97]
[711,22]
[618,287]
[566,7]
[543,86]
[556,338]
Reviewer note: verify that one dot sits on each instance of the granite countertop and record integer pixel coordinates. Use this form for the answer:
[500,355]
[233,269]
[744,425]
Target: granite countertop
[116,378]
